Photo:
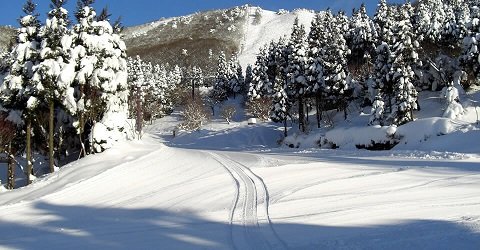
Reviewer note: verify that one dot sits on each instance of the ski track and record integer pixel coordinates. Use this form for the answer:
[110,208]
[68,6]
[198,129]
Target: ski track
[249,209]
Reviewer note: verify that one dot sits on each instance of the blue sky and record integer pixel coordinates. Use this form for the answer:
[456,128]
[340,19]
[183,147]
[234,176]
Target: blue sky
[141,11]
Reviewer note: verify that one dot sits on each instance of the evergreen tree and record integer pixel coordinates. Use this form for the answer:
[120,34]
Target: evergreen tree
[334,61]
[221,86]
[87,58]
[109,80]
[54,74]
[363,36]
[280,104]
[18,94]
[317,38]
[238,85]
[260,80]
[297,61]
[404,60]
[430,20]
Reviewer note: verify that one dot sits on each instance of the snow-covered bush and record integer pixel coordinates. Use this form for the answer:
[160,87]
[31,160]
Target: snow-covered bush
[453,106]
[194,115]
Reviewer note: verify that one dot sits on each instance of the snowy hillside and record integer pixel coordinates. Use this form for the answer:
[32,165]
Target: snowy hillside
[232,30]
[272,26]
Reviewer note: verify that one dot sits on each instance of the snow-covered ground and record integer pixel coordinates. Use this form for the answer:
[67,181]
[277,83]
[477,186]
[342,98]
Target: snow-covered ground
[232,187]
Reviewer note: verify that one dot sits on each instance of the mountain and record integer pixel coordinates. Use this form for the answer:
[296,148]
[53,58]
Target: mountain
[243,30]
[240,30]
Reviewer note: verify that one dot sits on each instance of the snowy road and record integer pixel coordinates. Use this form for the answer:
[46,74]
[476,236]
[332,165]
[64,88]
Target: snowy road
[249,209]
[151,196]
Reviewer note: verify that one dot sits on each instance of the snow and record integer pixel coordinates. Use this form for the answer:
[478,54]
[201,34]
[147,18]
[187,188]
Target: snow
[272,27]
[233,186]
[230,186]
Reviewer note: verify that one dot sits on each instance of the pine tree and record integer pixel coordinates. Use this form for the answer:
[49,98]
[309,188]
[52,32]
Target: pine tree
[363,36]
[317,38]
[221,87]
[239,81]
[110,78]
[404,60]
[54,74]
[260,80]
[233,86]
[87,58]
[471,51]
[431,19]
[18,94]
[280,104]
[334,61]
[297,61]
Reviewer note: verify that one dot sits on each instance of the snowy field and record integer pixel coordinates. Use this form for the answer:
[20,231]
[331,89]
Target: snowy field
[231,187]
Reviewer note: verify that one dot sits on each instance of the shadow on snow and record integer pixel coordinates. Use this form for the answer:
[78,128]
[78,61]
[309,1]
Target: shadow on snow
[83,227]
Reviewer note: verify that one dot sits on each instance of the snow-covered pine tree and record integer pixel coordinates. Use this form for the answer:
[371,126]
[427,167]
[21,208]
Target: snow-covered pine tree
[383,21]
[221,88]
[457,15]
[239,79]
[137,81]
[197,78]
[378,111]
[281,103]
[260,80]
[363,36]
[109,78]
[316,39]
[86,57]
[334,61]
[17,93]
[381,85]
[296,65]
[471,52]
[233,86]
[430,18]
[404,57]
[162,90]
[54,75]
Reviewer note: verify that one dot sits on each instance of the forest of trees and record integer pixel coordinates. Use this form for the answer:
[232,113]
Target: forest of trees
[381,62]
[69,89]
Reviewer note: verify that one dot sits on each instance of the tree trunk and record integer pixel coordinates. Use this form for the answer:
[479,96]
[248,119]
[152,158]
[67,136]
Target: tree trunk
[308,111]
[285,132]
[81,121]
[11,168]
[51,125]
[139,118]
[301,115]
[193,89]
[317,104]
[29,170]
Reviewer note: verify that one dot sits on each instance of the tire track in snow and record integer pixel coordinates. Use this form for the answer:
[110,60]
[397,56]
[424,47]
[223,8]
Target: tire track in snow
[249,209]
[280,197]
